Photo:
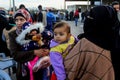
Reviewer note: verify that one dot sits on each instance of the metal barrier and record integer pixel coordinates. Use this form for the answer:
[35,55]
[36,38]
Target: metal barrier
[4,75]
[5,63]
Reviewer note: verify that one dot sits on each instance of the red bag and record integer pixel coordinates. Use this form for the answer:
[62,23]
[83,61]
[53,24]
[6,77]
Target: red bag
[53,76]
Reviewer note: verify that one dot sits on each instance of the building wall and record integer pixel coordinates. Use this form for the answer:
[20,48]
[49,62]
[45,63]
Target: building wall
[74,7]
[84,7]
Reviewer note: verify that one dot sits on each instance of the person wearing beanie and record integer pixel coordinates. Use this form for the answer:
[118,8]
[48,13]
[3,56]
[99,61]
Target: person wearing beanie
[22,6]
[3,12]
[21,17]
[24,13]
[116,5]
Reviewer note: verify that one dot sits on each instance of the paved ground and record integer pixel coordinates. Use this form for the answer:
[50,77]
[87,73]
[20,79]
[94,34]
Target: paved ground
[74,30]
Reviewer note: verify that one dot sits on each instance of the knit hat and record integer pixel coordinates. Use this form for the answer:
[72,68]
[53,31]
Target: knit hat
[23,13]
[2,12]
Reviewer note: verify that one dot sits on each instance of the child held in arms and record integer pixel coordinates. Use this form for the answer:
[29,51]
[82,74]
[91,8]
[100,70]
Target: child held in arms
[31,39]
[60,46]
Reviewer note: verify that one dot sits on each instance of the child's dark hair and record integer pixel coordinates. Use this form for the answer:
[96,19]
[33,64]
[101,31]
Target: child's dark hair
[62,24]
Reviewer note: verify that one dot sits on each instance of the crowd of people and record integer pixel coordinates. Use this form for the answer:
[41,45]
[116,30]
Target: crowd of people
[46,50]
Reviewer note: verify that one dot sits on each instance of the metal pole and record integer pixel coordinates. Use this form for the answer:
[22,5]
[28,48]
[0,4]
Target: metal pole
[101,2]
[10,5]
[87,4]
[13,6]
[64,4]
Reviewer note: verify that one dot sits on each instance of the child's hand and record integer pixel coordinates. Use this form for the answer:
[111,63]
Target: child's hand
[45,62]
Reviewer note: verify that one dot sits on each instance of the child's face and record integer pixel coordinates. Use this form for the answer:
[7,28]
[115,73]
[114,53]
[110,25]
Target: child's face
[34,32]
[19,20]
[35,35]
[61,35]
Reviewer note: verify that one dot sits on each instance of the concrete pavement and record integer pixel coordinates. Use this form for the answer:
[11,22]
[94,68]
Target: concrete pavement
[76,30]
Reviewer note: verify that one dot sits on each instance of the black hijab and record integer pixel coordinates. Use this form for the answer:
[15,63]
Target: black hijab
[99,26]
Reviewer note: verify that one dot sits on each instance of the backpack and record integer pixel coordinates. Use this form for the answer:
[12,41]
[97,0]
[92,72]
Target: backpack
[40,16]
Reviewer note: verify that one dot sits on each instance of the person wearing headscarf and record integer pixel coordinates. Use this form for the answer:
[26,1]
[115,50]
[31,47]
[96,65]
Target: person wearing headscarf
[21,16]
[115,55]
[90,59]
[22,6]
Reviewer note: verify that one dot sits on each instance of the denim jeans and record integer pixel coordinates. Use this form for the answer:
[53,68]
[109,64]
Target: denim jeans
[45,74]
[76,21]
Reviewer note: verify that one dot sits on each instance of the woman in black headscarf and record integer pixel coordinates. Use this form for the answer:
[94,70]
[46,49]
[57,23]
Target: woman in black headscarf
[90,59]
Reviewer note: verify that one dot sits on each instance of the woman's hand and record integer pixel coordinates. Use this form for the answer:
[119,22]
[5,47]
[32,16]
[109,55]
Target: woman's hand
[41,52]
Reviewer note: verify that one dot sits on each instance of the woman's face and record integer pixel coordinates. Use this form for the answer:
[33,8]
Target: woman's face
[19,20]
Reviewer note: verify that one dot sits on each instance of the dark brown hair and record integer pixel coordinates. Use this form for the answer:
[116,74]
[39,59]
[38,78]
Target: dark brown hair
[62,24]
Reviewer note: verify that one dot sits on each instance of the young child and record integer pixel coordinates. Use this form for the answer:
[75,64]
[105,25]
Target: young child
[59,48]
[31,39]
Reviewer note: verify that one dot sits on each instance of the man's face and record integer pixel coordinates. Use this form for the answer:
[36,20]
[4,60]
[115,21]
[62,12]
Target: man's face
[117,7]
